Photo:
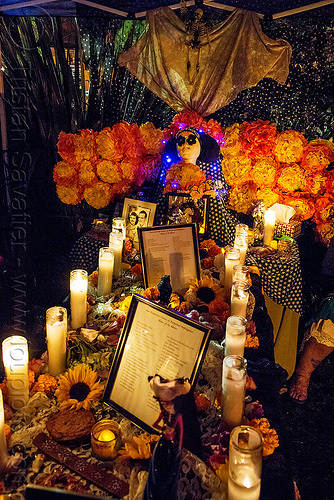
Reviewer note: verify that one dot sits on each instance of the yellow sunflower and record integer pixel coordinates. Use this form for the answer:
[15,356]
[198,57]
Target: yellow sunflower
[204,290]
[78,388]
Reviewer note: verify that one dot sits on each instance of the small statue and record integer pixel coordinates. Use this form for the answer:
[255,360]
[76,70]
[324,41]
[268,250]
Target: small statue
[165,289]
[258,215]
[162,482]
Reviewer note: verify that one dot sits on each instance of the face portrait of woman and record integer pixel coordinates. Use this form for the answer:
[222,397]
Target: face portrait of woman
[133,219]
[188,146]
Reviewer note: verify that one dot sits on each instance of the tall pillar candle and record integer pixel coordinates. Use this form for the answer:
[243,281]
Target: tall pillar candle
[15,359]
[116,243]
[3,442]
[78,292]
[232,258]
[241,242]
[119,226]
[240,273]
[56,336]
[269,226]
[245,463]
[235,336]
[233,389]
[239,298]
[106,270]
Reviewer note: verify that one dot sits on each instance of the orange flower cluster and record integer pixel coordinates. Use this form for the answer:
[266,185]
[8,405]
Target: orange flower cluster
[261,164]
[270,437]
[211,247]
[194,120]
[98,166]
[151,293]
[45,383]
[188,178]
[252,341]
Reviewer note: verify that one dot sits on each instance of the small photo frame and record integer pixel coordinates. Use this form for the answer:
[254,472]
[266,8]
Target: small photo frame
[154,340]
[170,250]
[183,209]
[137,214]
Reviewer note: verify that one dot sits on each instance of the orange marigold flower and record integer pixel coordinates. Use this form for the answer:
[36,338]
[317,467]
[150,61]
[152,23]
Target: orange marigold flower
[69,195]
[98,195]
[207,263]
[106,147]
[270,437]
[151,292]
[258,138]
[318,154]
[236,168]
[152,138]
[85,145]
[264,171]
[292,178]
[45,383]
[243,197]
[268,196]
[303,205]
[251,341]
[183,177]
[108,171]
[174,301]
[64,174]
[66,147]
[93,278]
[31,377]
[289,146]
[232,135]
[326,231]
[316,183]
[3,388]
[128,246]
[86,173]
[220,308]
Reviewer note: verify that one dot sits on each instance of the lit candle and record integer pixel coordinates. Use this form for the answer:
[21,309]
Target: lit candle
[241,242]
[239,298]
[233,389]
[232,258]
[116,243]
[240,273]
[241,230]
[235,336]
[106,439]
[56,333]
[3,442]
[106,269]
[245,463]
[15,360]
[269,226]
[78,289]
[119,226]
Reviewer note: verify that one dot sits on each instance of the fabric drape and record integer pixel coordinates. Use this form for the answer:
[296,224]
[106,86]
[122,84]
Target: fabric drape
[232,56]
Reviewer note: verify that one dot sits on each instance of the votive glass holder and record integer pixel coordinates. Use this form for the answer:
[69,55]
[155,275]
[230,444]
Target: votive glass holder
[106,439]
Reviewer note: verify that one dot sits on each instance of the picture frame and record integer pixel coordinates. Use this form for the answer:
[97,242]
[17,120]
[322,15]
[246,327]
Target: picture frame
[170,250]
[137,213]
[182,208]
[154,340]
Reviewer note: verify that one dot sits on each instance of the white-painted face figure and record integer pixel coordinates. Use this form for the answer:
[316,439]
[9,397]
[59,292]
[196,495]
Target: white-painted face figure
[188,146]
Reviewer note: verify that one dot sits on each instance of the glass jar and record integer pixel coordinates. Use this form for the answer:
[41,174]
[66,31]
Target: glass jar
[56,337]
[106,439]
[233,389]
[245,463]
[232,258]
[239,298]
[106,270]
[235,336]
[78,297]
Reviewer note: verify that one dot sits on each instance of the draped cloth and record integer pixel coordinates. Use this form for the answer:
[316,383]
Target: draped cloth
[232,56]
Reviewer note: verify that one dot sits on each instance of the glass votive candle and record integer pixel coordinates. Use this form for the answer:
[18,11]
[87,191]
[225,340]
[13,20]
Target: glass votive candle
[78,297]
[240,273]
[106,439]
[106,270]
[269,226]
[235,336]
[245,463]
[116,243]
[239,298]
[56,333]
[119,226]
[232,258]
[241,230]
[241,242]
[15,357]
[233,389]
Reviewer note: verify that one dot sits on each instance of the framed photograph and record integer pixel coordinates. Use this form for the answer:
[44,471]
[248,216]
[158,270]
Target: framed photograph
[183,209]
[170,250]
[154,341]
[137,213]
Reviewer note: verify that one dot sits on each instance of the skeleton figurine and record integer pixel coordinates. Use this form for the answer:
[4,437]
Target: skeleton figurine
[258,216]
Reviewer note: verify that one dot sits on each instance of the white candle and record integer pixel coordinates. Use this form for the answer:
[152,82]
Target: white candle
[119,226]
[240,273]
[3,442]
[245,463]
[232,258]
[241,230]
[56,333]
[78,289]
[116,243]
[239,298]
[235,336]
[269,226]
[245,485]
[106,269]
[233,389]
[15,360]
[241,243]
